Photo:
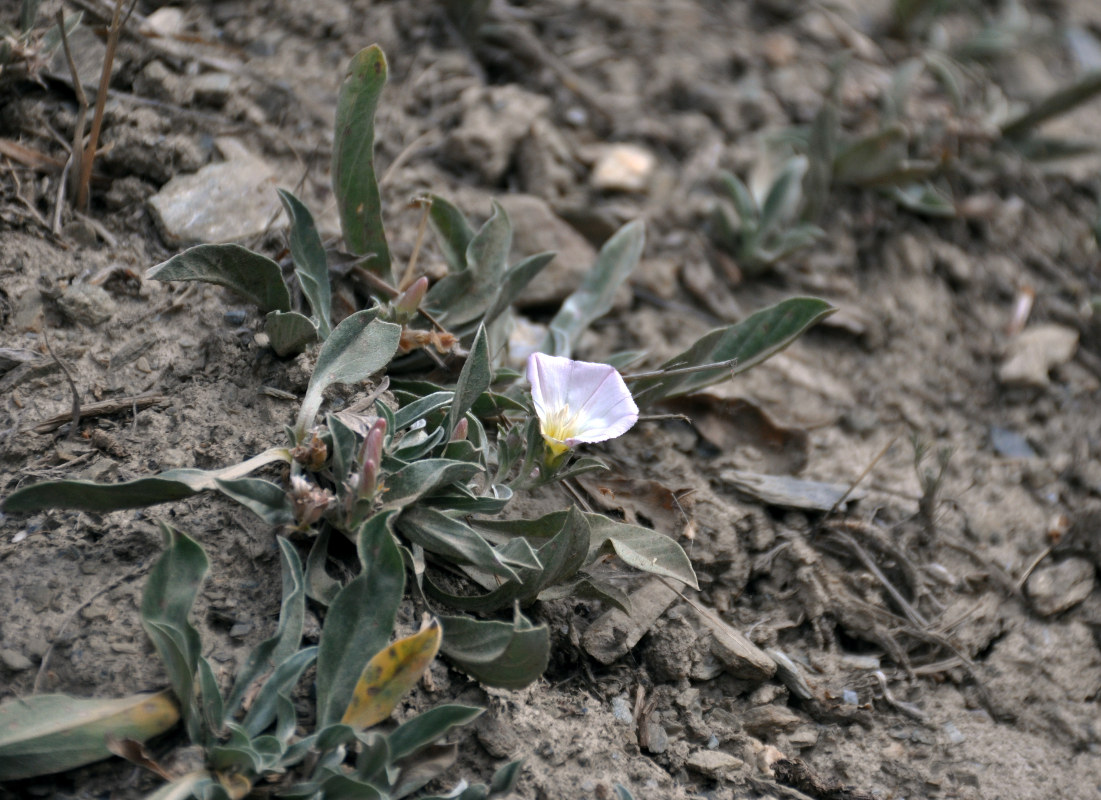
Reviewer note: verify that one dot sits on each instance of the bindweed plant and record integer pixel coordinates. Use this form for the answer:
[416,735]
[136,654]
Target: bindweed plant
[251,734]
[418,475]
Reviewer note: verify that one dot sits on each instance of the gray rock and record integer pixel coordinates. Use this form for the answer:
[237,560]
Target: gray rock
[714,763]
[494,121]
[14,661]
[613,633]
[742,658]
[1060,586]
[223,202]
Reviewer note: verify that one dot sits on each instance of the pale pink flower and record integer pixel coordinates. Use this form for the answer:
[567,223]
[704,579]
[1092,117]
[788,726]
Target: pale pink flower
[578,401]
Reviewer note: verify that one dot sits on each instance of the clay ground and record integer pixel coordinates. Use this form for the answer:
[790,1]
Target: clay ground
[941,649]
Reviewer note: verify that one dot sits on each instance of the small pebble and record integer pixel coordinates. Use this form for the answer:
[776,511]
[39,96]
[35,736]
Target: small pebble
[14,661]
[235,317]
[954,735]
[621,710]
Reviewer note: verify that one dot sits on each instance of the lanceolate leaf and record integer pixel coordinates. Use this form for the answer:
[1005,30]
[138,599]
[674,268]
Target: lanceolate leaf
[354,182]
[265,499]
[453,232]
[593,299]
[426,728]
[502,654]
[169,594]
[255,277]
[465,296]
[310,263]
[45,733]
[360,619]
[359,347]
[453,540]
[272,652]
[389,675]
[473,380]
[749,342]
[174,484]
[415,480]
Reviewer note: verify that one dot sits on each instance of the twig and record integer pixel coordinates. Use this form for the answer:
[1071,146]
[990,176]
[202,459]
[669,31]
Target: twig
[73,167]
[859,478]
[75,413]
[113,30]
[101,409]
[1021,581]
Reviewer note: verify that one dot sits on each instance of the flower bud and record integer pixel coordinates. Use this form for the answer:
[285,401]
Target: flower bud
[409,301]
[459,434]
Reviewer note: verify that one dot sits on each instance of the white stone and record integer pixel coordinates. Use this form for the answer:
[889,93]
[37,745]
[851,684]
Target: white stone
[623,168]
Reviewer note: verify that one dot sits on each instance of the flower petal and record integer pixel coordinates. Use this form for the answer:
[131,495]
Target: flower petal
[594,394]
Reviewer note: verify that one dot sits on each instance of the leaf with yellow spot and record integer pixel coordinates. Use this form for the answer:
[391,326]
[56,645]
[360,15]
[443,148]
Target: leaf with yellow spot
[390,674]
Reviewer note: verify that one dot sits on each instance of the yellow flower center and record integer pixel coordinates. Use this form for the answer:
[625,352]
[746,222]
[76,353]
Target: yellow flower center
[558,426]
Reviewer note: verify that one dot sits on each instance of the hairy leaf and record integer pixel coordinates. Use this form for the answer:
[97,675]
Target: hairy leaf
[310,262]
[45,733]
[289,332]
[255,277]
[360,619]
[426,728]
[354,181]
[593,299]
[360,346]
[501,654]
[749,342]
[389,675]
[473,380]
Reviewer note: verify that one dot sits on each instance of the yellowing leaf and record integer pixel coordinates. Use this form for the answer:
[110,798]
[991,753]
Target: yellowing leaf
[52,732]
[389,675]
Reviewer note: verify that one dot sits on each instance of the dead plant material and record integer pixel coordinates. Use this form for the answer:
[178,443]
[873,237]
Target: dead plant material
[102,409]
[795,773]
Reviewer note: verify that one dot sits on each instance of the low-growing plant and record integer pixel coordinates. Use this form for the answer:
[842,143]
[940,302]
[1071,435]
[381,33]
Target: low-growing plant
[762,230]
[418,474]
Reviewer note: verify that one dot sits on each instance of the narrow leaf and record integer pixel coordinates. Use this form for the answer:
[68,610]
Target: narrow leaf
[360,619]
[272,652]
[453,540]
[48,733]
[354,181]
[169,594]
[473,380]
[750,342]
[593,299]
[263,498]
[360,346]
[175,484]
[310,262]
[255,277]
[389,675]
[453,232]
[423,729]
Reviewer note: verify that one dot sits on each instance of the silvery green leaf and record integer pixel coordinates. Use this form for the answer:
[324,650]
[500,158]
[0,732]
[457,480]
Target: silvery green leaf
[354,183]
[515,281]
[740,196]
[784,196]
[278,686]
[360,619]
[256,278]
[593,299]
[501,654]
[453,232]
[473,380]
[424,729]
[359,346]
[263,498]
[463,297]
[344,443]
[289,332]
[750,342]
[311,265]
[452,539]
[271,653]
[924,198]
[421,408]
[320,586]
[166,604]
[417,479]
